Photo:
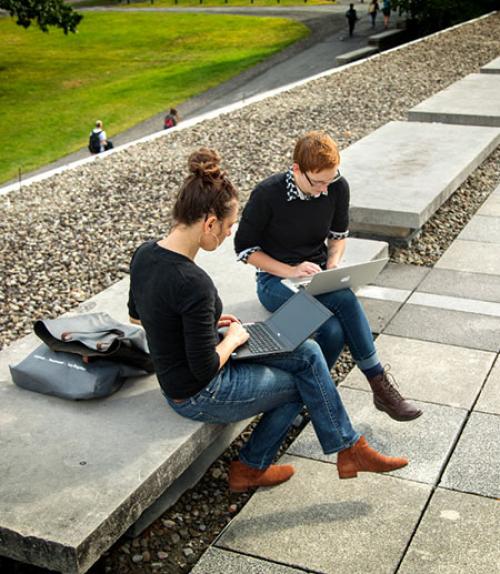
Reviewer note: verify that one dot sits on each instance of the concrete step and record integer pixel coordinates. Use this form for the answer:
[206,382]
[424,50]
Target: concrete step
[356,55]
[401,173]
[492,67]
[77,475]
[473,100]
[387,39]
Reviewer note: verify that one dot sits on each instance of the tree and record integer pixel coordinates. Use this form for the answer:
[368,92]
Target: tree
[431,15]
[45,12]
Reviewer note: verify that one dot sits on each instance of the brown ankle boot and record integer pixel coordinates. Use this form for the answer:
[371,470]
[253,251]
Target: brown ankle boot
[243,477]
[387,398]
[361,457]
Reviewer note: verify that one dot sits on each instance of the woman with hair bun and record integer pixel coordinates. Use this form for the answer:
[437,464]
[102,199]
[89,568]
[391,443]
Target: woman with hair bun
[181,312]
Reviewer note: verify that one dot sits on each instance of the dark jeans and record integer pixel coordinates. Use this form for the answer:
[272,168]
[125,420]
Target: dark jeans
[278,387]
[349,323]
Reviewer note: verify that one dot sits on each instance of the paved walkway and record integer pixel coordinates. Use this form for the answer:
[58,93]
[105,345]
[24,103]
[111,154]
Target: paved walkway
[440,331]
[315,54]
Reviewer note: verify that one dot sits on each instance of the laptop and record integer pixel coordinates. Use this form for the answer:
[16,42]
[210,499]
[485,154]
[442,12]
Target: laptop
[350,276]
[285,329]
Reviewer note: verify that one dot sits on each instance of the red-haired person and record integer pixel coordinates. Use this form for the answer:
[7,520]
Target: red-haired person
[295,224]
[177,304]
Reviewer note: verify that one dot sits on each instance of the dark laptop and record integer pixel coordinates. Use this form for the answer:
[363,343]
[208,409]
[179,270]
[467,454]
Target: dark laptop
[285,329]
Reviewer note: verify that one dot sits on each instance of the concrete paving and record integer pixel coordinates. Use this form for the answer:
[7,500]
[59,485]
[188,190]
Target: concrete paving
[427,442]
[491,206]
[322,524]
[474,465]
[462,284]
[492,67]
[489,399]
[401,173]
[471,256]
[427,371]
[459,533]
[217,561]
[473,100]
[482,228]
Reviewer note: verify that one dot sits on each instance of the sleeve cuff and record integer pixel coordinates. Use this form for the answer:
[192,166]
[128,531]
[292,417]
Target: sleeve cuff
[245,254]
[338,234]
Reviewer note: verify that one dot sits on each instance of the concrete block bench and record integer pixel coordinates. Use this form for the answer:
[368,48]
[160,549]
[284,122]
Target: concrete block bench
[76,475]
[401,173]
[473,100]
[492,67]
[387,39]
[356,55]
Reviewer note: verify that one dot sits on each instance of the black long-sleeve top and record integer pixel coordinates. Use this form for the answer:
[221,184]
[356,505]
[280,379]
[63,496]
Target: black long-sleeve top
[277,221]
[179,308]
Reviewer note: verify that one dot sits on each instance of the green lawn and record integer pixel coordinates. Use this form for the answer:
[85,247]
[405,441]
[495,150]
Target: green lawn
[121,68]
[202,4]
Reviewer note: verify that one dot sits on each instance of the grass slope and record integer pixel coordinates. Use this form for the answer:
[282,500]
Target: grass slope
[122,68]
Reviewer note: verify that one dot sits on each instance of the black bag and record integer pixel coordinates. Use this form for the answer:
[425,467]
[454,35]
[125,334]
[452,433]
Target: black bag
[94,142]
[94,336]
[67,376]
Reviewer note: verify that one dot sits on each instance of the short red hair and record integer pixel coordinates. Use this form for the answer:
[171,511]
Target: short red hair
[316,151]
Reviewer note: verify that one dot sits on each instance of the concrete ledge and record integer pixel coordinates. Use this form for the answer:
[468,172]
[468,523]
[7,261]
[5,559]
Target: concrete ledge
[401,173]
[387,39]
[356,55]
[492,67]
[473,100]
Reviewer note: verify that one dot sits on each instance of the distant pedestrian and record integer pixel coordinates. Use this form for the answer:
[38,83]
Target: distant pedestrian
[171,119]
[373,8]
[352,18]
[98,140]
[386,11]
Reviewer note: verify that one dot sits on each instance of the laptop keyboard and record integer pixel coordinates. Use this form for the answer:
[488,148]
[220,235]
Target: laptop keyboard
[260,340]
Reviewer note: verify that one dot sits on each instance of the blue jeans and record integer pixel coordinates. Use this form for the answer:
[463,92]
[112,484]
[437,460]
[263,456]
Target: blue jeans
[348,325]
[278,387]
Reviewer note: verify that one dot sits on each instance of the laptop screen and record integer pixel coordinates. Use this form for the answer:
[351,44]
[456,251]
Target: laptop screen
[298,318]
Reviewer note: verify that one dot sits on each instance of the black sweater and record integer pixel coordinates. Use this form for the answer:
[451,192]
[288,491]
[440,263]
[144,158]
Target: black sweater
[179,308]
[292,231]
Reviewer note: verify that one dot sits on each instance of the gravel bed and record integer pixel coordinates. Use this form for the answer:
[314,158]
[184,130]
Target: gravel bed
[71,236]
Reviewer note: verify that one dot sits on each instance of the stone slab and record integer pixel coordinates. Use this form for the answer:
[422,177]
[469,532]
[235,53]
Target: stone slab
[455,304]
[98,464]
[378,312]
[356,55]
[482,228]
[217,561]
[473,466]
[491,206]
[489,399]
[458,533]
[426,441]
[443,326]
[492,67]
[400,174]
[321,524]
[387,38]
[462,284]
[430,371]
[472,256]
[400,276]
[473,100]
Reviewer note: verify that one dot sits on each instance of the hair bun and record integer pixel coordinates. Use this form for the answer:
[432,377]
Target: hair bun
[205,163]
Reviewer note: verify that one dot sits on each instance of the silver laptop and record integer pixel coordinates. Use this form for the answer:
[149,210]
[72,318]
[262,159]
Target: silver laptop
[350,276]
[288,327]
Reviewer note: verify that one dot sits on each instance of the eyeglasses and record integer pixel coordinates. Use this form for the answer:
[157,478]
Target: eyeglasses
[315,183]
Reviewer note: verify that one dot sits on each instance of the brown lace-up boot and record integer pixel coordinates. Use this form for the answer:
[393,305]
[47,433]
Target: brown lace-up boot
[387,398]
[361,457]
[243,477]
